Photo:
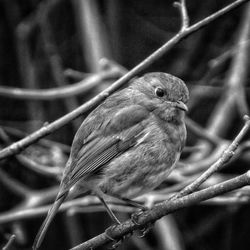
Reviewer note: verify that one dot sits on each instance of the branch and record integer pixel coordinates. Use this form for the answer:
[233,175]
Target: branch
[54,171]
[184,15]
[158,211]
[75,89]
[224,111]
[54,60]
[31,207]
[50,128]
[10,242]
[93,33]
[205,158]
[243,61]
[225,157]
[16,133]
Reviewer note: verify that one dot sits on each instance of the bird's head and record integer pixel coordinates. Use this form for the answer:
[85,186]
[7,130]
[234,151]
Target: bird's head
[161,90]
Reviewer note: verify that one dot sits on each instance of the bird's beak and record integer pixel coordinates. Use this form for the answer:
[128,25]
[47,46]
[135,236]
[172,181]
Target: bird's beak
[181,105]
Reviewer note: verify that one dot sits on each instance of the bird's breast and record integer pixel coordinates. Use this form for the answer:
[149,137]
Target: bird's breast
[144,166]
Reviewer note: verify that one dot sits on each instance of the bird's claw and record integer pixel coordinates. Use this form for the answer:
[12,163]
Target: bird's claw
[108,234]
[135,216]
[144,230]
[116,241]
[116,244]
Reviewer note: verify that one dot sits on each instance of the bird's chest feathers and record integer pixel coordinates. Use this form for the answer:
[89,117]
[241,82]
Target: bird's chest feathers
[172,123]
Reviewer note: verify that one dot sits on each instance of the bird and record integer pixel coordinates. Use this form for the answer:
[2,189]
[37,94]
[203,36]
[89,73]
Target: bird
[127,146]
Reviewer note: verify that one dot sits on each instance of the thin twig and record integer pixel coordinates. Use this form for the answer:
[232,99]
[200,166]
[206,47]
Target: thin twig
[225,112]
[75,89]
[184,15]
[31,209]
[43,142]
[93,35]
[241,100]
[162,209]
[44,170]
[199,165]
[50,128]
[29,75]
[55,61]
[10,242]
[54,171]
[75,75]
[225,157]
[31,206]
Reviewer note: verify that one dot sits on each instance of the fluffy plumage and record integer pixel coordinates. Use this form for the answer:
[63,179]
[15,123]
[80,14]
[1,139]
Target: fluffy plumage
[129,144]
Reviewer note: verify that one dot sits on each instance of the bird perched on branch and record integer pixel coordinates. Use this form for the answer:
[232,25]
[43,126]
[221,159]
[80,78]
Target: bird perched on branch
[128,145]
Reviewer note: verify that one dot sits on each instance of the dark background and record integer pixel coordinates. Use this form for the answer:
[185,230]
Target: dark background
[32,32]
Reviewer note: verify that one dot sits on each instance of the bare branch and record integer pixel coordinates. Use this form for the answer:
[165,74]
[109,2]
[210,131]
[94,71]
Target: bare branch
[75,89]
[93,35]
[44,170]
[225,157]
[162,209]
[10,242]
[50,128]
[225,111]
[184,15]
[54,171]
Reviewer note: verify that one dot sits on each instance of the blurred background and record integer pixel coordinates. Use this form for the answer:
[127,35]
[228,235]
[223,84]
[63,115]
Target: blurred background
[58,54]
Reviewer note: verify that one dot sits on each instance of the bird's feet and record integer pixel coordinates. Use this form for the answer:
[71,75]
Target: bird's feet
[116,242]
[135,219]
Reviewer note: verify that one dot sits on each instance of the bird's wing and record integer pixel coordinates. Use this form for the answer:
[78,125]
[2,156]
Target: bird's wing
[116,135]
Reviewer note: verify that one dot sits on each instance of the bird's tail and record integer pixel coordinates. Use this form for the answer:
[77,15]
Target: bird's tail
[51,214]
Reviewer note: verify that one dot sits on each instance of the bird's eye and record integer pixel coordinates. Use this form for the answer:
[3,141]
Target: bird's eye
[159,92]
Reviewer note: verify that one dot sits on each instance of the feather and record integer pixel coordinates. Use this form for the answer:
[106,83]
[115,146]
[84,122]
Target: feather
[102,151]
[100,147]
[51,214]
